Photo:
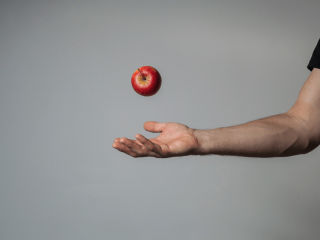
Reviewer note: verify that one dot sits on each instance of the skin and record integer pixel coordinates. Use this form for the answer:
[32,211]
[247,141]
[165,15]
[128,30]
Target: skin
[295,132]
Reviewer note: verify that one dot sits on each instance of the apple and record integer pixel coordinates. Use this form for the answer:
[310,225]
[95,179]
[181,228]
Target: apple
[146,81]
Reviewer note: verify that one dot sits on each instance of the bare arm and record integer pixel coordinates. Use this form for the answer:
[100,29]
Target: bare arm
[275,136]
[294,132]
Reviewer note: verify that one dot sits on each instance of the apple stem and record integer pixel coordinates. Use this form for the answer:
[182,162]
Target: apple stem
[142,75]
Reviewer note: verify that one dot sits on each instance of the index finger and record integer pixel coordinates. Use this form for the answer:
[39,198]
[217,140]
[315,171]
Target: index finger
[149,145]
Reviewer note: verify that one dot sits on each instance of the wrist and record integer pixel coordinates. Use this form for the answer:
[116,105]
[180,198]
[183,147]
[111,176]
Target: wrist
[198,134]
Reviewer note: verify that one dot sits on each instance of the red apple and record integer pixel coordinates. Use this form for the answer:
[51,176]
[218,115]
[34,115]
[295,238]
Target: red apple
[146,81]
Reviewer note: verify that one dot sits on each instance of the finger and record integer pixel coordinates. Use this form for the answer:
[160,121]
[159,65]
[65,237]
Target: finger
[132,145]
[117,140]
[152,126]
[137,142]
[138,148]
[123,148]
[149,145]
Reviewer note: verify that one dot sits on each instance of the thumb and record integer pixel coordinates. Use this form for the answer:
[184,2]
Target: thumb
[155,127]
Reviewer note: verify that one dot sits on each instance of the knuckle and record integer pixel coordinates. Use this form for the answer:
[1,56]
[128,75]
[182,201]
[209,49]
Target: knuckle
[135,154]
[151,147]
[165,154]
[145,152]
[144,149]
[139,151]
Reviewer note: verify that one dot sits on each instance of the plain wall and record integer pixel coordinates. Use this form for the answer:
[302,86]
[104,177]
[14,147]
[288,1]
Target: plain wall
[65,95]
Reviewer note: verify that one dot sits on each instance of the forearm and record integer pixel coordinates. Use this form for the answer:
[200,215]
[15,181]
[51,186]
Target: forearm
[276,136]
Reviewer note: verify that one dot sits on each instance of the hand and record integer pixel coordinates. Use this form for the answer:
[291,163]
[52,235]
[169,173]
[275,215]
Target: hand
[175,140]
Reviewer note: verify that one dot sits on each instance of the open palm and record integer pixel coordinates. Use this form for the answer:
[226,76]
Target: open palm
[175,140]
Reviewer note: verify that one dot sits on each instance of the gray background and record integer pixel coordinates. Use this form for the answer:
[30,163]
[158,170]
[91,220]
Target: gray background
[65,94]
